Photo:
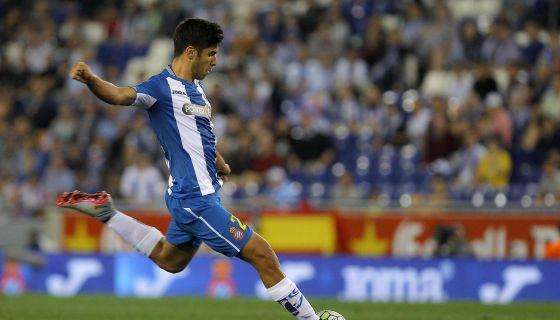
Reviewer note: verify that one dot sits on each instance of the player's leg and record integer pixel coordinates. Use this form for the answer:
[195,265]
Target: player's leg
[226,234]
[262,257]
[280,288]
[146,239]
[172,258]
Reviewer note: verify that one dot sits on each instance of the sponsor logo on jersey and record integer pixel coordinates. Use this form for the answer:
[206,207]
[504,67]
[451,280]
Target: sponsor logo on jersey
[236,233]
[191,109]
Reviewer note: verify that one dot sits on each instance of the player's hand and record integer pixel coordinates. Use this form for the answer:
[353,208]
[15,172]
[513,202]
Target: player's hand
[81,72]
[222,166]
[224,171]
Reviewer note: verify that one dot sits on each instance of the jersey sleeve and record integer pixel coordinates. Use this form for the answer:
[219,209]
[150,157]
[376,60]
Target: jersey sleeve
[146,93]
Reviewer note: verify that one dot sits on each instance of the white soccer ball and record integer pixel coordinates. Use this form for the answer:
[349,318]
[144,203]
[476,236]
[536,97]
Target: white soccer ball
[330,315]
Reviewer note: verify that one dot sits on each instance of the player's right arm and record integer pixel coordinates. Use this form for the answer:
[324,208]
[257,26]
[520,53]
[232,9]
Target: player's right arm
[104,90]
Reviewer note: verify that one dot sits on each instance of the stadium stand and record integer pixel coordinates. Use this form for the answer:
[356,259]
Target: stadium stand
[382,97]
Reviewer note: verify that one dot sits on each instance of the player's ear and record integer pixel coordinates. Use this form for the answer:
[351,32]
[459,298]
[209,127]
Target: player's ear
[191,52]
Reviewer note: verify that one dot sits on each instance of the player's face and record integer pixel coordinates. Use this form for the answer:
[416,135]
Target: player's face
[204,62]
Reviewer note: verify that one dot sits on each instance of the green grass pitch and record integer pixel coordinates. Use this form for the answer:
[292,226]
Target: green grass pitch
[38,307]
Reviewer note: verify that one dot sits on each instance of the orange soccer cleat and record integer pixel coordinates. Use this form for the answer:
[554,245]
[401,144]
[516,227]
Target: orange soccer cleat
[98,205]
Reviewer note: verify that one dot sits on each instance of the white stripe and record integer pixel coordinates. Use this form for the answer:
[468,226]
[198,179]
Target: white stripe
[199,88]
[170,180]
[190,137]
[211,228]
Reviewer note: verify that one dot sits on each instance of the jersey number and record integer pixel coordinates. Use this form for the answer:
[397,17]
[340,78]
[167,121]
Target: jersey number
[234,219]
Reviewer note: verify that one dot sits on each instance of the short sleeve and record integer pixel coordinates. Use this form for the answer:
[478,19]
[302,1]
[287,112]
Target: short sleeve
[146,93]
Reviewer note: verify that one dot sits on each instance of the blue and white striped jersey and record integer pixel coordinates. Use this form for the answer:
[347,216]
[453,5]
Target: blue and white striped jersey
[180,116]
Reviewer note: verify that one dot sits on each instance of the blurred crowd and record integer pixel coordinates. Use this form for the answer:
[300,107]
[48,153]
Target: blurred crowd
[413,102]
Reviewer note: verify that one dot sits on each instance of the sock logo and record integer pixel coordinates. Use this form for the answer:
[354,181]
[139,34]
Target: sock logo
[291,309]
[293,297]
[293,302]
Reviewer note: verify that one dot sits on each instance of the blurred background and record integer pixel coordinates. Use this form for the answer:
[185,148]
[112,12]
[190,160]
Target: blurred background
[354,128]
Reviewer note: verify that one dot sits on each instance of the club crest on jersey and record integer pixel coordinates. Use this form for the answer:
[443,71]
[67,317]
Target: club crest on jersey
[236,233]
[191,109]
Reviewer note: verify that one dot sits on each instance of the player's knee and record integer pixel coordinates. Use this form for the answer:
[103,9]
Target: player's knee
[173,268]
[172,264]
[170,259]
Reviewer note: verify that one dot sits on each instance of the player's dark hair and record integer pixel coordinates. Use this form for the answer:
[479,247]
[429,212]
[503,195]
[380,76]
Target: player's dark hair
[198,33]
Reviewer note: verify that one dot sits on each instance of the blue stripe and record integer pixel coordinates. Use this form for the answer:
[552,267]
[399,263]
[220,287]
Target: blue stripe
[207,135]
[209,147]
[194,95]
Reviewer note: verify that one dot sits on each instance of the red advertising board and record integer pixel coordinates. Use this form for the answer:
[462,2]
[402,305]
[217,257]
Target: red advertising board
[84,234]
[489,235]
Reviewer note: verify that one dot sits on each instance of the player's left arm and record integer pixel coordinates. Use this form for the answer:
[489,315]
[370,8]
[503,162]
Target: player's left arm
[223,168]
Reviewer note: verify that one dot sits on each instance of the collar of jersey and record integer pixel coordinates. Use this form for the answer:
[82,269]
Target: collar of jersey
[176,77]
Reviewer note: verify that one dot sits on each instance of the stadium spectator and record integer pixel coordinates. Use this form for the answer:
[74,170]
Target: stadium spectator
[467,44]
[65,125]
[549,137]
[441,141]
[419,120]
[485,81]
[464,162]
[534,47]
[550,179]
[345,188]
[438,79]
[266,156]
[308,141]
[499,48]
[520,107]
[451,241]
[500,119]
[140,137]
[437,197]
[279,191]
[58,177]
[12,281]
[551,100]
[32,196]
[525,154]
[494,169]
[141,182]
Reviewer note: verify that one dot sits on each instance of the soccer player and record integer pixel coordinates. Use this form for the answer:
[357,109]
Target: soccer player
[180,115]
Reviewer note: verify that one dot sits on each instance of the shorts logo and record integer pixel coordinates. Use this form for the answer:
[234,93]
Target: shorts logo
[236,233]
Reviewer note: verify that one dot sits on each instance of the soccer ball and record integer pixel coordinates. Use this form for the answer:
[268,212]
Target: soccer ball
[330,315]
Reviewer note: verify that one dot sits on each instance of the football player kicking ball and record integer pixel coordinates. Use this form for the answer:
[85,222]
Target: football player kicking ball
[180,116]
